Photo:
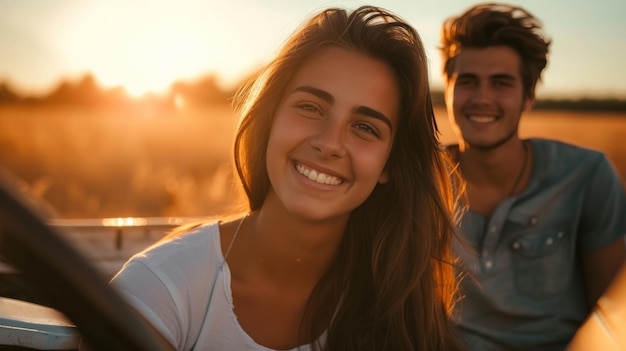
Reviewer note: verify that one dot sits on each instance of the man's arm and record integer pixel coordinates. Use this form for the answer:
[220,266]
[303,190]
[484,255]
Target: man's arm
[605,329]
[603,218]
[600,266]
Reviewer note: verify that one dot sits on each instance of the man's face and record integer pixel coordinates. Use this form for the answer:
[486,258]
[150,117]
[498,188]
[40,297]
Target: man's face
[485,96]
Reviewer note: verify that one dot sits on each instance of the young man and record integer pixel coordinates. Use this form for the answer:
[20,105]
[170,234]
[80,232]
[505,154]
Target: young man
[546,220]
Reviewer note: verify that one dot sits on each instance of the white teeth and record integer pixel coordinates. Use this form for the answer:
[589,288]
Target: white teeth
[482,119]
[316,176]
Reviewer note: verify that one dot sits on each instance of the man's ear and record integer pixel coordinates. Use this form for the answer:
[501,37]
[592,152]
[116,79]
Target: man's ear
[384,177]
[530,101]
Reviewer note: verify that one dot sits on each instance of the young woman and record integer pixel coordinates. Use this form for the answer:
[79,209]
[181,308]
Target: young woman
[346,245]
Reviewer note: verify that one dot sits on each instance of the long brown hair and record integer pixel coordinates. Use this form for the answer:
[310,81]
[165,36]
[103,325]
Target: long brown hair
[392,286]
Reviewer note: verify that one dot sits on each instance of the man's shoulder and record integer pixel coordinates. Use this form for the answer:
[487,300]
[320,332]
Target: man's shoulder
[558,160]
[560,150]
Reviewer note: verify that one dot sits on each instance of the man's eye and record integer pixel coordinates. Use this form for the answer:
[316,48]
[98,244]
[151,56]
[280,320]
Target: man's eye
[502,83]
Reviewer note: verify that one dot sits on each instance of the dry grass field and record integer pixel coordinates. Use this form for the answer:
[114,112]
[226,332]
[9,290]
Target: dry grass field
[86,163]
[603,131]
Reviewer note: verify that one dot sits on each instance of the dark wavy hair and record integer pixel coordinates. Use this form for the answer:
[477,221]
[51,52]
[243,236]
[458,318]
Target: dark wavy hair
[497,24]
[392,285]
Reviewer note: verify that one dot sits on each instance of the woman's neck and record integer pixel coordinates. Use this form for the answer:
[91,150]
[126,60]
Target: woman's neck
[276,262]
[289,249]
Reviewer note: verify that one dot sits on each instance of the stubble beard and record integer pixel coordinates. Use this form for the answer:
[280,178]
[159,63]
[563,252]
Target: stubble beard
[492,146]
[498,143]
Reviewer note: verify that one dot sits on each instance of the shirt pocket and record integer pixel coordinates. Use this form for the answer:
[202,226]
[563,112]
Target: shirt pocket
[542,263]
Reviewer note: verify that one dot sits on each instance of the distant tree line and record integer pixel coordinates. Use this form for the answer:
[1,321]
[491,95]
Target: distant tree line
[87,92]
[206,91]
[585,104]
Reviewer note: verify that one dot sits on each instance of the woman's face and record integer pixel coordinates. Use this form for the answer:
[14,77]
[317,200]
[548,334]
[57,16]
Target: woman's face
[332,134]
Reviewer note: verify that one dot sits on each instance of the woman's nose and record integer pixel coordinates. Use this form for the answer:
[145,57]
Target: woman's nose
[329,140]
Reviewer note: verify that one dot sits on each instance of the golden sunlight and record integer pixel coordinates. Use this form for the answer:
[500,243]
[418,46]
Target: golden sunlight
[141,48]
[155,61]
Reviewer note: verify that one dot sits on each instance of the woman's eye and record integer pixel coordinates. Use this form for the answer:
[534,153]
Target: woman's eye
[309,108]
[367,128]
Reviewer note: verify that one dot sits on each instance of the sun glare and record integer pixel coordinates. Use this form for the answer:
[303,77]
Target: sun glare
[141,48]
[156,61]
[146,46]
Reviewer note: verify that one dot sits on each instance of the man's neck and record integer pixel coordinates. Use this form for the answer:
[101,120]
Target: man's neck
[492,175]
[493,165]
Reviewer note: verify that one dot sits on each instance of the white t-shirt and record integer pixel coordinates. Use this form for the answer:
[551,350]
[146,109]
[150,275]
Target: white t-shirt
[182,286]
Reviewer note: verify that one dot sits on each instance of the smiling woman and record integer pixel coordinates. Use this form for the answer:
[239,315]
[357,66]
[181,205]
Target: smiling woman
[346,241]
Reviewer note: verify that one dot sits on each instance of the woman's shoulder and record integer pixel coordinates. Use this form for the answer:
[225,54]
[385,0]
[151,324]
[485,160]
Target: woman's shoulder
[196,229]
[170,281]
[187,244]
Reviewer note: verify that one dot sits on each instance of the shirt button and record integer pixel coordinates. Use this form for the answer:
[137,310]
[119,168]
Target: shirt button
[533,220]
[488,264]
[493,229]
[549,241]
[516,245]
[559,235]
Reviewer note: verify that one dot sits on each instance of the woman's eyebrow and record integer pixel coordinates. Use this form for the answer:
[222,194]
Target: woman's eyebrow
[362,110]
[370,112]
[322,94]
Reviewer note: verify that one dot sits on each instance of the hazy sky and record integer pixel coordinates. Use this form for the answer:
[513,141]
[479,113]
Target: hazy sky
[146,44]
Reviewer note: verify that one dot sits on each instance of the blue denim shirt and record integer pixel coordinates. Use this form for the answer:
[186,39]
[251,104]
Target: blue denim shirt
[525,288]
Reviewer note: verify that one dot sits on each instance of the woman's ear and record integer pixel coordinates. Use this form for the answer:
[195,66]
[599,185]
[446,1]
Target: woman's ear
[384,177]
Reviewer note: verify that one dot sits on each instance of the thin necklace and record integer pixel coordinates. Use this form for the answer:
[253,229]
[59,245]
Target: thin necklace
[522,171]
[232,241]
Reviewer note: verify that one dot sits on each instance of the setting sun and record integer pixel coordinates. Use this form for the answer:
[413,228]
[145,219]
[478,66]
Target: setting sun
[154,62]
[143,48]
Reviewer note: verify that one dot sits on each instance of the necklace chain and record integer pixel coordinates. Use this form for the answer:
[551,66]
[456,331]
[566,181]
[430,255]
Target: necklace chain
[232,241]
[520,175]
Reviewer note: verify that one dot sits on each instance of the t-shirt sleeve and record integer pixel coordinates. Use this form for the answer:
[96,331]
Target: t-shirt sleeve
[148,294]
[604,218]
[170,283]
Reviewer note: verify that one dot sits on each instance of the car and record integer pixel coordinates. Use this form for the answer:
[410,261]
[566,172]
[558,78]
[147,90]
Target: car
[68,282]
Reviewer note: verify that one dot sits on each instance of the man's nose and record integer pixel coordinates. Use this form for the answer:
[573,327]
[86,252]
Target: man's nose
[482,93]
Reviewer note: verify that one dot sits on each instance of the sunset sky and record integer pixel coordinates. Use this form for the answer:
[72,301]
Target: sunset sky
[145,45]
